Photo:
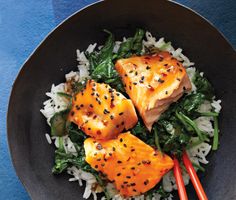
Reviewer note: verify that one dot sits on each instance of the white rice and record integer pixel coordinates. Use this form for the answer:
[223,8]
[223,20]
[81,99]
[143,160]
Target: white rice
[48,138]
[56,103]
[216,105]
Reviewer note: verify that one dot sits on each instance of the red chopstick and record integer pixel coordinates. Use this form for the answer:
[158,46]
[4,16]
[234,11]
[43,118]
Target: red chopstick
[179,180]
[194,178]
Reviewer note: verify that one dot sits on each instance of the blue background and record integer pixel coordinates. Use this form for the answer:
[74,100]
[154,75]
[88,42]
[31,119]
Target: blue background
[24,23]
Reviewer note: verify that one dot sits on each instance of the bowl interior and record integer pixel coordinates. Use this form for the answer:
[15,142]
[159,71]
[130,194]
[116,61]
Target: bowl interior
[33,157]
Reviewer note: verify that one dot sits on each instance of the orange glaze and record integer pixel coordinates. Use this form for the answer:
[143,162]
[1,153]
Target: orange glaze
[134,166]
[101,111]
[153,82]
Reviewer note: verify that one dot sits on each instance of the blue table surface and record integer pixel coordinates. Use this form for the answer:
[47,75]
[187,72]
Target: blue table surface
[24,23]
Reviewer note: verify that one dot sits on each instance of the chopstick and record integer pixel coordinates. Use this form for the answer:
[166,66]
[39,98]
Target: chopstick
[179,180]
[194,178]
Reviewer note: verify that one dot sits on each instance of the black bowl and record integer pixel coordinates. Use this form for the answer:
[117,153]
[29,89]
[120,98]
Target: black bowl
[55,56]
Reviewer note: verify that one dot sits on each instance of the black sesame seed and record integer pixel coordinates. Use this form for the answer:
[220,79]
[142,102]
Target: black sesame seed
[132,150]
[93,89]
[77,107]
[132,184]
[102,164]
[177,63]
[125,182]
[81,105]
[121,113]
[178,79]
[89,128]
[92,94]
[166,64]
[105,97]
[126,75]
[91,106]
[166,92]
[180,70]
[136,73]
[118,94]
[113,148]
[121,139]
[133,168]
[135,83]
[119,161]
[72,113]
[122,123]
[96,166]
[147,68]
[146,182]
[128,177]
[160,80]
[148,162]
[125,145]
[117,126]
[106,111]
[118,174]
[131,71]
[111,117]
[99,159]
[134,190]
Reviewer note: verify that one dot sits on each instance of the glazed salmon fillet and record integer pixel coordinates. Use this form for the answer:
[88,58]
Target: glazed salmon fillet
[102,112]
[132,165]
[153,82]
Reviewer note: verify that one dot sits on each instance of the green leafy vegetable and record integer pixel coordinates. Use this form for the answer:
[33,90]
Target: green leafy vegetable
[132,45]
[64,160]
[157,189]
[102,66]
[58,123]
[157,139]
[203,86]
[102,62]
[76,135]
[63,94]
[198,167]
[216,134]
[188,122]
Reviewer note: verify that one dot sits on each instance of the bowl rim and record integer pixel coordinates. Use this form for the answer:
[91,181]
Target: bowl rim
[48,36]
